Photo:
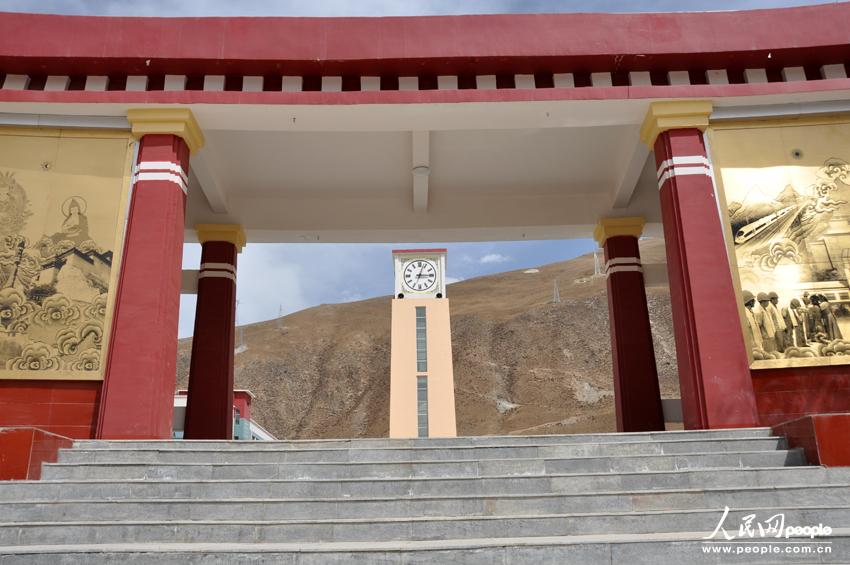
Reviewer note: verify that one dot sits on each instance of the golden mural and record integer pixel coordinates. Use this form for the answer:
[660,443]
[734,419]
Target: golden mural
[786,193]
[62,209]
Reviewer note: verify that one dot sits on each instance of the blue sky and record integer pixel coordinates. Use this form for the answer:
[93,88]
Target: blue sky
[288,278]
[291,277]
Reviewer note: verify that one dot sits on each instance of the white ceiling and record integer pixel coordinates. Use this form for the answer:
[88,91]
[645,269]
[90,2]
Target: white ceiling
[497,171]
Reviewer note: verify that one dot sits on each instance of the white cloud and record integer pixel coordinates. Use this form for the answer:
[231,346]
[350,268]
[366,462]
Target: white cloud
[494,258]
[350,296]
[450,280]
[266,285]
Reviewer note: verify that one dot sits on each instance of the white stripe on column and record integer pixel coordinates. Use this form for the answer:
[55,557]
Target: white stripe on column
[624,269]
[621,261]
[221,266]
[170,177]
[682,171]
[682,160]
[163,166]
[216,275]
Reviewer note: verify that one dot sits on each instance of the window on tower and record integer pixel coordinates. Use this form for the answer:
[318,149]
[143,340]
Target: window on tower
[422,405]
[421,341]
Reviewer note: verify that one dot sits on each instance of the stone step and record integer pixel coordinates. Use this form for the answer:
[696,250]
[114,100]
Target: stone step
[326,488]
[428,442]
[396,529]
[635,549]
[464,505]
[465,468]
[453,453]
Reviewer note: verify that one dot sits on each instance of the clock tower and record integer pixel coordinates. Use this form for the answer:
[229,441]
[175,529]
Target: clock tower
[422,395]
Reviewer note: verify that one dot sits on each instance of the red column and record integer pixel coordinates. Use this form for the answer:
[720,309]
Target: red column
[714,374]
[209,407]
[637,397]
[138,390]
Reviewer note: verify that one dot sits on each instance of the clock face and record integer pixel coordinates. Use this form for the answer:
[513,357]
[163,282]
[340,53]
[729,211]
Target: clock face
[420,275]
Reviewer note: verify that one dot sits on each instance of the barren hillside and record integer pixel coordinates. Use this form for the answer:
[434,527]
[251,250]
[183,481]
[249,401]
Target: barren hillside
[522,363]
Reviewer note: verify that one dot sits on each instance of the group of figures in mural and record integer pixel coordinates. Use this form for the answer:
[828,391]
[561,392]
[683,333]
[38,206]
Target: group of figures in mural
[803,328]
[793,252]
[53,290]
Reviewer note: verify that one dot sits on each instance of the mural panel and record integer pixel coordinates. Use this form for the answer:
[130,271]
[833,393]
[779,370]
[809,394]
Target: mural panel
[62,210]
[786,194]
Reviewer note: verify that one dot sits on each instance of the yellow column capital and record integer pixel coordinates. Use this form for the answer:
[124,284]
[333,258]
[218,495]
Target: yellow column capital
[231,233]
[674,114]
[175,121]
[610,227]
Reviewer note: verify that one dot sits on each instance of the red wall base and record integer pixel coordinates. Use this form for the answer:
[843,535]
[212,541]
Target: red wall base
[65,408]
[23,450]
[824,437]
[783,395]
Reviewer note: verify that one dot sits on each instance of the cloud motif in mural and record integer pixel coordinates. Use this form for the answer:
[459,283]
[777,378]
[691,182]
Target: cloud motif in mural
[88,360]
[57,309]
[36,356]
[68,341]
[97,308]
[779,250]
[835,169]
[14,310]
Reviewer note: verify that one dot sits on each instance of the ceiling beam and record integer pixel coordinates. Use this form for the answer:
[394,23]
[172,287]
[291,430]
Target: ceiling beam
[202,166]
[629,178]
[421,169]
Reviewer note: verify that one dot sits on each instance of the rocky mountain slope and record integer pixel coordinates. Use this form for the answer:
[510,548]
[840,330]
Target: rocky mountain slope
[522,363]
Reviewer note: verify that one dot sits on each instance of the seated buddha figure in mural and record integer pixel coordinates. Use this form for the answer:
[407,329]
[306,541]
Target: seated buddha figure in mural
[75,228]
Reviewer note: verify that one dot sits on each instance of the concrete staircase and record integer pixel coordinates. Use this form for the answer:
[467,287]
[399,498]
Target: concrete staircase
[602,498]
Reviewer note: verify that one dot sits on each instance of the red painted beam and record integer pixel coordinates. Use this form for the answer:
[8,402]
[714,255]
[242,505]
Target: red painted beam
[516,43]
[424,96]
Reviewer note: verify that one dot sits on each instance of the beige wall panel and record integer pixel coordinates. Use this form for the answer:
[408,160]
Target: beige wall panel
[63,200]
[785,196]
